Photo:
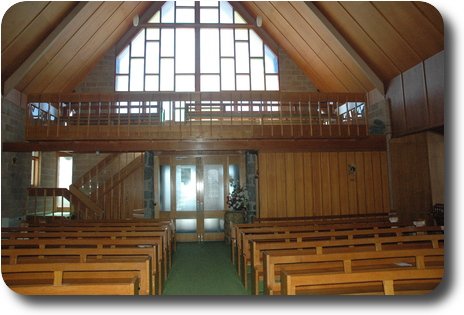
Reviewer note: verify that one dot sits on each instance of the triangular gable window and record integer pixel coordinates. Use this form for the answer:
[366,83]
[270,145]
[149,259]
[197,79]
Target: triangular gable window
[193,46]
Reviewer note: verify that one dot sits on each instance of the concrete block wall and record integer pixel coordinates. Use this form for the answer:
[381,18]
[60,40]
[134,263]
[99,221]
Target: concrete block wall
[16,166]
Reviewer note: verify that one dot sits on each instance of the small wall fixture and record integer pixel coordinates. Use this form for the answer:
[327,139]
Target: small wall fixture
[259,21]
[135,20]
[351,169]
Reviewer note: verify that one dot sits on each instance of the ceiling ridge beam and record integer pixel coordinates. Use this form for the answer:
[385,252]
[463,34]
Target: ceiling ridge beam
[35,57]
[371,75]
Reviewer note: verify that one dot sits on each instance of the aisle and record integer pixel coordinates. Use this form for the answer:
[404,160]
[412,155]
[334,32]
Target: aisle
[203,269]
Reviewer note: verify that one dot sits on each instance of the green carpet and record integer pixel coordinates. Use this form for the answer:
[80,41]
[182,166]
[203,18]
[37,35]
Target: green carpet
[203,269]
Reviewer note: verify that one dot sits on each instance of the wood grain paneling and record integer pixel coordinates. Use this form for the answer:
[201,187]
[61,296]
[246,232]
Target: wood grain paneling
[319,183]
[417,97]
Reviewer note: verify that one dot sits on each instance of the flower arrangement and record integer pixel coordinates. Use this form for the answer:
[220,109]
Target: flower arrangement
[238,198]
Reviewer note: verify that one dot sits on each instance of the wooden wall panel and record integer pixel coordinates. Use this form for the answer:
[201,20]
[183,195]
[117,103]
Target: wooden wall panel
[319,183]
[417,97]
[411,188]
[435,81]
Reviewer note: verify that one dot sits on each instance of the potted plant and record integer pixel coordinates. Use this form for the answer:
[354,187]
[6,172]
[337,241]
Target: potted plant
[237,201]
[238,198]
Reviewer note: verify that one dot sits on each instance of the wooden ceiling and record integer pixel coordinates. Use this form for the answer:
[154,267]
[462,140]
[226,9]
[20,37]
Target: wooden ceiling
[352,46]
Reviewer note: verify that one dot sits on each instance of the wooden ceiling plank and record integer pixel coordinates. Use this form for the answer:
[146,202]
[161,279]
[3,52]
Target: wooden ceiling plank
[283,41]
[32,60]
[356,73]
[432,14]
[284,34]
[124,13]
[324,54]
[414,27]
[318,38]
[366,69]
[19,19]
[72,47]
[55,49]
[369,51]
[87,50]
[382,33]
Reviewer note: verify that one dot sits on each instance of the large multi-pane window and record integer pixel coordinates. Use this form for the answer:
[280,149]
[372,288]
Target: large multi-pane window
[191,46]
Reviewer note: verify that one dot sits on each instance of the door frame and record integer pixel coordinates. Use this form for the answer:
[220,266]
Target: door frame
[199,159]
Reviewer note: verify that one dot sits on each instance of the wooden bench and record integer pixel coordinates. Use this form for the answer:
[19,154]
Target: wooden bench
[153,243]
[122,223]
[299,234]
[347,262]
[165,253]
[83,273]
[323,246]
[389,282]
[122,288]
[64,255]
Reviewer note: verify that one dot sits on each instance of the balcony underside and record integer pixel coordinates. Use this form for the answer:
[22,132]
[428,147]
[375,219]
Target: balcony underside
[189,131]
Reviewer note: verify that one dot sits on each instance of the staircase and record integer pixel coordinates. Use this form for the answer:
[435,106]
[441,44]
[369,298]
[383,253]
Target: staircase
[112,189]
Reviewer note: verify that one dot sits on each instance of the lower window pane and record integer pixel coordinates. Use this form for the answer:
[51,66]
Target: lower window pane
[186,226]
[214,225]
[185,83]
[122,83]
[209,83]
[272,82]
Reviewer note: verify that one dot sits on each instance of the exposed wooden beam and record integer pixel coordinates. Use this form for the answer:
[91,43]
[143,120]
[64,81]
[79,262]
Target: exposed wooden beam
[364,144]
[371,75]
[35,57]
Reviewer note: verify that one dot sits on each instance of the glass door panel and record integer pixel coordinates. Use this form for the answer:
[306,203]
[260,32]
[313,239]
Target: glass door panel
[193,191]
[186,188]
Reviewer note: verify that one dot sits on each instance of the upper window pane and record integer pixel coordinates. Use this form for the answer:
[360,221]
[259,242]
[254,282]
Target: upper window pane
[205,55]
[185,15]
[167,12]
[209,15]
[122,62]
[226,12]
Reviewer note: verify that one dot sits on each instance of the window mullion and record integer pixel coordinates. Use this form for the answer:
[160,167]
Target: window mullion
[197,47]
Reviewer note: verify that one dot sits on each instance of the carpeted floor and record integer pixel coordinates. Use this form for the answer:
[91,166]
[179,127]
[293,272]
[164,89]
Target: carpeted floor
[203,269]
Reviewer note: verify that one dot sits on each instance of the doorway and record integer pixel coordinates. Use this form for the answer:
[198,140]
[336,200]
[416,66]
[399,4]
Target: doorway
[192,192]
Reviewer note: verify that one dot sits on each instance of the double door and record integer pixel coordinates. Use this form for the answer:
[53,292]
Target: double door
[193,191]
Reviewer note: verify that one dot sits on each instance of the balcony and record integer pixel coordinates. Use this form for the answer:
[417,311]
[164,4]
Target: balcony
[179,116]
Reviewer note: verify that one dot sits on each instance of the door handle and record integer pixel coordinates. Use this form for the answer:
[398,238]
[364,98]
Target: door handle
[200,207]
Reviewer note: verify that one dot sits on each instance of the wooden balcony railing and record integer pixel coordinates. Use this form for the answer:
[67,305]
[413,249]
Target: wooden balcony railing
[234,115]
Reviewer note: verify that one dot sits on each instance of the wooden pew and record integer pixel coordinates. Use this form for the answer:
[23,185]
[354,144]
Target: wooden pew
[332,246]
[96,232]
[72,255]
[347,262]
[311,232]
[249,228]
[153,243]
[123,288]
[129,223]
[420,281]
[84,273]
